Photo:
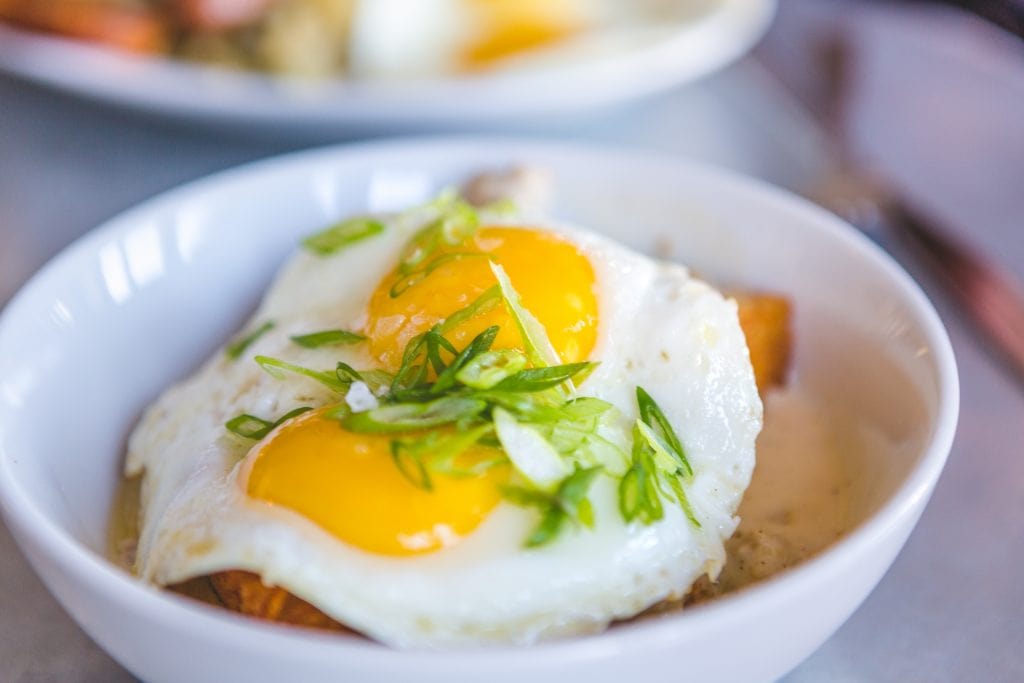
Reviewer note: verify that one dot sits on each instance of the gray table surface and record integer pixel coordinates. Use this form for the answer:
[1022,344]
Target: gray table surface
[939,107]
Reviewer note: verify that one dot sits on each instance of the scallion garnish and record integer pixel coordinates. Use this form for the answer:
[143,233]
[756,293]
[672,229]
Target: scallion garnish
[327,338]
[657,459]
[455,222]
[411,417]
[652,416]
[447,377]
[487,369]
[638,490]
[410,464]
[535,338]
[255,428]
[237,347]
[415,276]
[342,235]
[569,503]
[533,455]
[338,380]
[539,379]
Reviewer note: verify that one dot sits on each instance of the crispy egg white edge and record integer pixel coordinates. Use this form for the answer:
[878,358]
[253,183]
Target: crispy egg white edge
[197,519]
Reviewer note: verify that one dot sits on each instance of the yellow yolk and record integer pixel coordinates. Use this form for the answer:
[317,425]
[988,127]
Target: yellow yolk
[506,27]
[350,486]
[555,282]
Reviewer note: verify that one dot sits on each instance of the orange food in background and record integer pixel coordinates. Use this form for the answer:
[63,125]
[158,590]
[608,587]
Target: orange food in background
[136,29]
[507,27]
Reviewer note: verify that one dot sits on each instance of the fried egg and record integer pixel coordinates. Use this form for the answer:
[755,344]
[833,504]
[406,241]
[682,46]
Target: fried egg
[420,38]
[326,513]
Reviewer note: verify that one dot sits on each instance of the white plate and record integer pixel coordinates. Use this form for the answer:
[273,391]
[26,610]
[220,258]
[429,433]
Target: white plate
[179,89]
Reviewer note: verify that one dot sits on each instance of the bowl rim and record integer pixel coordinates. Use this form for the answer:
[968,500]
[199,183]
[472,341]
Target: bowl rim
[909,499]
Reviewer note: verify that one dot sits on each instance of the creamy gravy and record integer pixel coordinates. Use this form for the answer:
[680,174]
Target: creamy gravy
[798,501]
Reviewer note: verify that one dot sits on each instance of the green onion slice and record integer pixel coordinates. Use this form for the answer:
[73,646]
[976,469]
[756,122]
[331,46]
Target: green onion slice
[237,347]
[409,417]
[278,368]
[342,235]
[539,379]
[535,338]
[255,428]
[327,338]
[529,451]
[652,416]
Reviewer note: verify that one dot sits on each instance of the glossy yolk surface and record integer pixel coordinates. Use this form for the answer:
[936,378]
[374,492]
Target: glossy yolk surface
[350,486]
[554,280]
[349,483]
[506,27]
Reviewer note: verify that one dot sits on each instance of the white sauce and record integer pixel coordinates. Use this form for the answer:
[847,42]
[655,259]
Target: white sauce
[798,501]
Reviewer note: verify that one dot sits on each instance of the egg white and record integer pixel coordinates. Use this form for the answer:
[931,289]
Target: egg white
[659,328]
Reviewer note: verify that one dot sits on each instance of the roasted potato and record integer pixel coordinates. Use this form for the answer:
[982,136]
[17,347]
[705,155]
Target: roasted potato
[245,592]
[765,319]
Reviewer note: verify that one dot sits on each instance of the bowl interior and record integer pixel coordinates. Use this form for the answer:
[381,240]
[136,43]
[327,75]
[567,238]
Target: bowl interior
[138,304]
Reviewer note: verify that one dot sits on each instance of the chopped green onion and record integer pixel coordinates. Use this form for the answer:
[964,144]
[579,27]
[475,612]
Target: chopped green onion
[662,458]
[409,417]
[653,416]
[550,527]
[539,379]
[638,490]
[535,338]
[414,277]
[481,343]
[684,502]
[489,368]
[411,466]
[438,451]
[237,347]
[568,503]
[529,451]
[572,493]
[327,338]
[278,368]
[482,304]
[455,223]
[255,428]
[342,235]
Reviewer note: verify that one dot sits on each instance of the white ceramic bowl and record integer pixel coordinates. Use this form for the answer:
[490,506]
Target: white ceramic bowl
[719,32]
[139,302]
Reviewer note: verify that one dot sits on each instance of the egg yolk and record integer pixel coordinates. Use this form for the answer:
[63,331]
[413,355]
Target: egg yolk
[506,27]
[350,486]
[349,483]
[554,280]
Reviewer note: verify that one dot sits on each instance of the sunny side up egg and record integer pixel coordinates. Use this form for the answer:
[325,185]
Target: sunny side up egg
[430,508]
[403,38]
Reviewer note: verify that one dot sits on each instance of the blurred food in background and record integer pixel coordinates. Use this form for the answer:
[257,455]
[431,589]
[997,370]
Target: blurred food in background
[357,38]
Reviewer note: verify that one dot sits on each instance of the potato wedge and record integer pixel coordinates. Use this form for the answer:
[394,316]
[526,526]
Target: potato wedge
[765,319]
[245,592]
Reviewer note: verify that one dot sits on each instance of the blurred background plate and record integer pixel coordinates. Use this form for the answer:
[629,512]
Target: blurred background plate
[718,32]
